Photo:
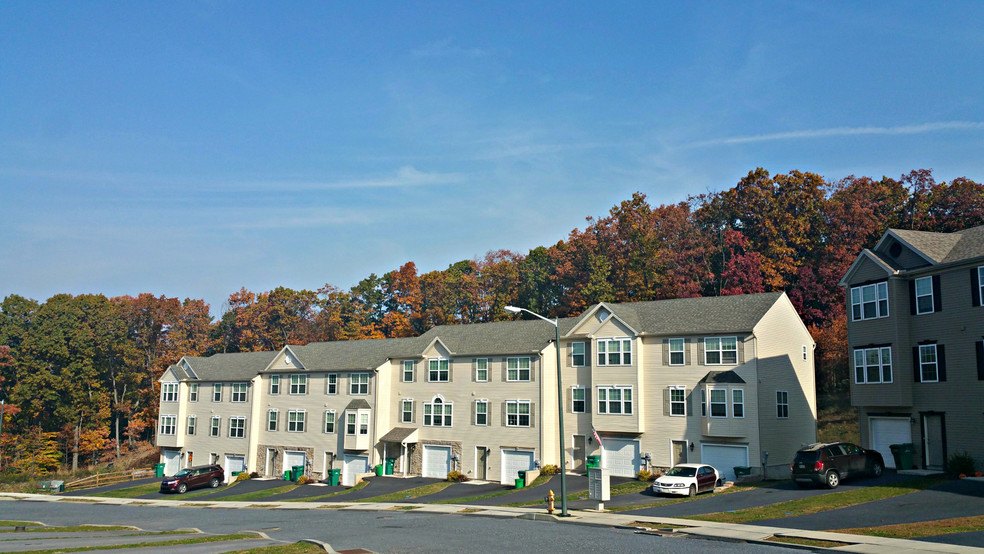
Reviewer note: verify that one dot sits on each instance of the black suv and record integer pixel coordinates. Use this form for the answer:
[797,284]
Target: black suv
[827,463]
[193,478]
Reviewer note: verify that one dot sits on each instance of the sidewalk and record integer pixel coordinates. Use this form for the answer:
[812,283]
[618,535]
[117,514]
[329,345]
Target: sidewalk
[664,525]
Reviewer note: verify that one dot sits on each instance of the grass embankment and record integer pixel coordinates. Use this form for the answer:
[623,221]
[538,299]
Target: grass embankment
[256,495]
[416,492]
[358,486]
[536,483]
[296,548]
[837,420]
[921,528]
[152,544]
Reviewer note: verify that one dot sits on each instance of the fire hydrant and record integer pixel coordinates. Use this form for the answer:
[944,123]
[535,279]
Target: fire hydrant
[550,502]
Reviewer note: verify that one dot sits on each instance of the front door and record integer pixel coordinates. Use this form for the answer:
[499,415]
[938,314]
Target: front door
[481,463]
[578,456]
[679,452]
[933,442]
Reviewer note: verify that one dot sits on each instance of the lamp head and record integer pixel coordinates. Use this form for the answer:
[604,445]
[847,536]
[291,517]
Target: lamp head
[513,309]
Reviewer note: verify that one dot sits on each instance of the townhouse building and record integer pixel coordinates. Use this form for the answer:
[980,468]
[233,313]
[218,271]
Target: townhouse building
[727,381]
[916,337]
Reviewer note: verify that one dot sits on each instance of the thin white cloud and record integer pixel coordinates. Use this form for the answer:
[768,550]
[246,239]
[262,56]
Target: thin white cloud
[447,48]
[404,177]
[846,131]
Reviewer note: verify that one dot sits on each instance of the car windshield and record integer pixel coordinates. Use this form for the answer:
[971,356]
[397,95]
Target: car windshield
[183,473]
[682,472]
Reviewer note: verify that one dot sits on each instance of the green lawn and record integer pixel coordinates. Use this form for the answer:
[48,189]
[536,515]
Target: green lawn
[410,493]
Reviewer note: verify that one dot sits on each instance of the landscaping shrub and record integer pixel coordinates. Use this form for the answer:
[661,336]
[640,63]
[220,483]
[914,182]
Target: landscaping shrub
[646,475]
[457,477]
[960,463]
[253,475]
[242,476]
[549,469]
[303,479]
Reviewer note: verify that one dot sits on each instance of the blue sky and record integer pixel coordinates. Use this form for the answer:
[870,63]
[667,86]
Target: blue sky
[190,149]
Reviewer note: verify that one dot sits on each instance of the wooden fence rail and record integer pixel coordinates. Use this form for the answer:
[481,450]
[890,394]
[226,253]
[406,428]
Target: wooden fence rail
[101,479]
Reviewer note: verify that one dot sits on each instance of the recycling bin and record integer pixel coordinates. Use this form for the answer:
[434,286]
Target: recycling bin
[296,472]
[334,476]
[390,463]
[903,454]
[379,469]
[519,482]
[522,476]
[158,470]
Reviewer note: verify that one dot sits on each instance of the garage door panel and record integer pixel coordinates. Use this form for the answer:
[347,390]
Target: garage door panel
[354,465]
[294,458]
[886,431]
[621,457]
[172,461]
[724,458]
[233,464]
[514,461]
[437,461]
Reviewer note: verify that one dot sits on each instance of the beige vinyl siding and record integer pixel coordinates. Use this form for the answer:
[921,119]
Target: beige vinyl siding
[177,409]
[658,377]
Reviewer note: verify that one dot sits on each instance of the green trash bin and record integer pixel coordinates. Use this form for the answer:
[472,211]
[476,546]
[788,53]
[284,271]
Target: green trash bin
[379,469]
[158,470]
[522,475]
[288,475]
[390,463]
[334,476]
[44,486]
[906,452]
[594,461]
[519,482]
[58,486]
[742,471]
[296,472]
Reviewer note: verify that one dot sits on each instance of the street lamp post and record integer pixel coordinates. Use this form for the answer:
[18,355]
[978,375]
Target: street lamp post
[560,405]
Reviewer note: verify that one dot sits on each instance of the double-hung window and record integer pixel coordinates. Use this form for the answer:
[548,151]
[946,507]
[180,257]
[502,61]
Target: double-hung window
[217,392]
[274,384]
[237,427]
[676,351]
[782,404]
[929,367]
[272,417]
[331,383]
[481,370]
[193,392]
[408,371]
[924,295]
[979,293]
[213,430]
[295,421]
[577,354]
[359,384]
[678,400]
[578,400]
[437,413]
[614,351]
[737,403]
[168,424]
[616,400]
[192,424]
[721,350]
[350,423]
[239,392]
[363,423]
[869,301]
[703,403]
[518,369]
[482,412]
[438,370]
[406,410]
[329,421]
[719,403]
[169,392]
[298,383]
[873,365]
[517,413]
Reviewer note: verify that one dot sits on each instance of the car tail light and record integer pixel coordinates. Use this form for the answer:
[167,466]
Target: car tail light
[791,464]
[818,466]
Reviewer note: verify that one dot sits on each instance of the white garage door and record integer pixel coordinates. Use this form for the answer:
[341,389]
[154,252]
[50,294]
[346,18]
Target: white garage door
[437,461]
[724,458]
[354,465]
[172,461]
[233,464]
[621,457]
[514,461]
[886,431]
[294,458]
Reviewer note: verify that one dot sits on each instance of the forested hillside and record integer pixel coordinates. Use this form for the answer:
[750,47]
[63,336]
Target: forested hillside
[78,373]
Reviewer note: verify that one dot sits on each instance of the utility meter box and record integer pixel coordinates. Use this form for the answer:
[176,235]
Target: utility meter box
[599,484]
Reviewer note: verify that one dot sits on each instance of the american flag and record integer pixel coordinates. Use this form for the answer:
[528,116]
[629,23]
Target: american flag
[596,437]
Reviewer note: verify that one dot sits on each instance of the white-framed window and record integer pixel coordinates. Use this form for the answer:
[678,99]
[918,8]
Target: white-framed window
[359,384]
[274,384]
[517,413]
[929,370]
[481,369]
[614,351]
[577,354]
[721,350]
[437,413]
[215,425]
[192,424]
[869,301]
[518,369]
[217,392]
[924,295]
[408,366]
[438,370]
[169,424]
[719,403]
[406,410]
[298,383]
[873,365]
[578,400]
[737,403]
[273,416]
[363,423]
[237,427]
[703,403]
[239,392]
[193,392]
[676,351]
[616,400]
[329,421]
[350,423]
[782,404]
[169,392]
[482,412]
[980,285]
[295,421]
[331,383]
[678,401]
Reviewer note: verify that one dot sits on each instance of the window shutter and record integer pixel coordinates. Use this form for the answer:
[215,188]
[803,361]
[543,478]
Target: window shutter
[568,400]
[687,358]
[700,352]
[690,401]
[940,363]
[450,371]
[916,366]
[474,411]
[937,294]
[504,371]
[980,360]
[666,352]
[912,297]
[741,350]
[587,400]
[503,413]
[975,287]
[666,402]
[534,367]
[532,414]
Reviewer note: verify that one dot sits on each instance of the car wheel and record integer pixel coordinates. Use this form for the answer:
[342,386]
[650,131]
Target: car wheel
[182,488]
[877,469]
[832,479]
[693,491]
[214,483]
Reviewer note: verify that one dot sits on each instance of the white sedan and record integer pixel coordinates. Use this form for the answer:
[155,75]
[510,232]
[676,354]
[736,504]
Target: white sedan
[687,480]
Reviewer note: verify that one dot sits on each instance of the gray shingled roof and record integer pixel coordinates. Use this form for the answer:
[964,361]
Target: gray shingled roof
[240,366]
[722,377]
[356,354]
[712,314]
[500,337]
[946,247]
[397,434]
[358,404]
